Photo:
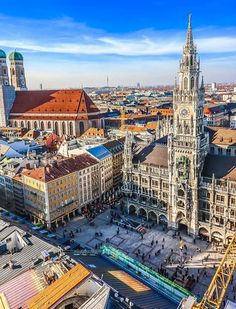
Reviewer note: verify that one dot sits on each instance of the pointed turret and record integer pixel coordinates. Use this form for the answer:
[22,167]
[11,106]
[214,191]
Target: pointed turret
[190,44]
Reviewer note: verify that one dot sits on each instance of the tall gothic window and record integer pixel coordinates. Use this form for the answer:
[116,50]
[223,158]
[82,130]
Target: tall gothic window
[191,60]
[22,124]
[35,125]
[56,128]
[71,129]
[28,125]
[49,125]
[185,83]
[192,82]
[42,125]
[15,125]
[63,128]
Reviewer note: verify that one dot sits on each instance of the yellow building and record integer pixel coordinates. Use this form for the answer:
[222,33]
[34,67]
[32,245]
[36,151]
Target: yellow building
[53,193]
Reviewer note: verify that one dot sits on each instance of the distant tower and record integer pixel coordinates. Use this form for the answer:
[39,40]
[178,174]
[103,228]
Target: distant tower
[7,92]
[188,144]
[128,157]
[107,82]
[4,79]
[17,71]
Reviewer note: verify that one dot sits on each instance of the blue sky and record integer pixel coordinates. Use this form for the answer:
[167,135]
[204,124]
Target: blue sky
[72,43]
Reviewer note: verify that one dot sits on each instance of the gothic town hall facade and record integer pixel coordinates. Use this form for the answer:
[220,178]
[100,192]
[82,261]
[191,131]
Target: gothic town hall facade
[186,179]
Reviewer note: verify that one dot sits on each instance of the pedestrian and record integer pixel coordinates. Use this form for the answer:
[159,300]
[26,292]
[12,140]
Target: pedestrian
[156,242]
[163,240]
[162,246]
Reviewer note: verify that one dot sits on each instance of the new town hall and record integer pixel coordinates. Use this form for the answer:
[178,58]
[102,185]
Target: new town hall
[186,179]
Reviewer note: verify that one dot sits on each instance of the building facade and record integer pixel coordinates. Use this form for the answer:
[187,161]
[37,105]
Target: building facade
[177,180]
[66,112]
[116,147]
[55,192]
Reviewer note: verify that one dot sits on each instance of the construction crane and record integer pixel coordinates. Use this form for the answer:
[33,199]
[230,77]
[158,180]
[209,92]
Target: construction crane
[214,295]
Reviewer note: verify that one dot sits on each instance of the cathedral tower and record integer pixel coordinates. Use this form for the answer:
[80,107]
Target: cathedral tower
[17,71]
[4,79]
[187,145]
[7,92]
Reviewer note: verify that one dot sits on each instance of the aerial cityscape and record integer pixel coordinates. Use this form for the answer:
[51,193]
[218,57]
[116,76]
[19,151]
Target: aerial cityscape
[117,155]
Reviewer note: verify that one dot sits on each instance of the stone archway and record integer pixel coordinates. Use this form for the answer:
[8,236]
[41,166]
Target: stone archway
[132,210]
[163,220]
[152,216]
[181,222]
[142,213]
[203,233]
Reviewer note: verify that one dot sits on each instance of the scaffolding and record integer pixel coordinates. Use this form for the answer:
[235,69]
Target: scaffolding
[215,293]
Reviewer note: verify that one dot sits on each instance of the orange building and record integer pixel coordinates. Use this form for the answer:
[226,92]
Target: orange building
[69,112]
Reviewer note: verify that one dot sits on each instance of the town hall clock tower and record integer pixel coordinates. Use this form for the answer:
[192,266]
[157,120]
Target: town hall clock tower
[187,144]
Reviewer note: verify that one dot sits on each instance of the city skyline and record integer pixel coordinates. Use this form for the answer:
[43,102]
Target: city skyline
[127,43]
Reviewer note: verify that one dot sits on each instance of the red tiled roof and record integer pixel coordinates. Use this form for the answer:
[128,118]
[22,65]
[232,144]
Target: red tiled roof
[41,102]
[61,168]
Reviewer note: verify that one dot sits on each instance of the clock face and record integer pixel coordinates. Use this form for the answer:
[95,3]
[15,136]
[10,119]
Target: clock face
[184,112]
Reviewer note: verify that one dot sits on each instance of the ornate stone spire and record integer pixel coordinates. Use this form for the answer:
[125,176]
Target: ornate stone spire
[190,33]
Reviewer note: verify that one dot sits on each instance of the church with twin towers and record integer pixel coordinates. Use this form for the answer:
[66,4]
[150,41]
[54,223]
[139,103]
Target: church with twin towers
[183,179]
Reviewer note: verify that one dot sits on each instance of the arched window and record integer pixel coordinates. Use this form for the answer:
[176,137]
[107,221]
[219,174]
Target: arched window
[71,128]
[181,192]
[63,128]
[56,128]
[28,125]
[187,130]
[13,72]
[191,60]
[49,125]
[22,72]
[192,82]
[81,127]
[35,125]
[185,83]
[15,124]
[4,71]
[180,204]
[42,125]
[22,124]
[180,129]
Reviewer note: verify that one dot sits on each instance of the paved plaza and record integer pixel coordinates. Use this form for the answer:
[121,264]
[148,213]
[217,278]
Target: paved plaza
[157,249]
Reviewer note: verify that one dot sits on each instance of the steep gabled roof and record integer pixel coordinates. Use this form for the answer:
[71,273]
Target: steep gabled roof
[61,168]
[47,102]
[221,166]
[153,154]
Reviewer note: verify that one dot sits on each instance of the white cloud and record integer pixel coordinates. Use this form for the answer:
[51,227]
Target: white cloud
[65,53]
[67,36]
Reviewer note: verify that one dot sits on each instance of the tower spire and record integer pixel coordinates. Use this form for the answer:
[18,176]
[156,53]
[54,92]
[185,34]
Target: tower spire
[190,33]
